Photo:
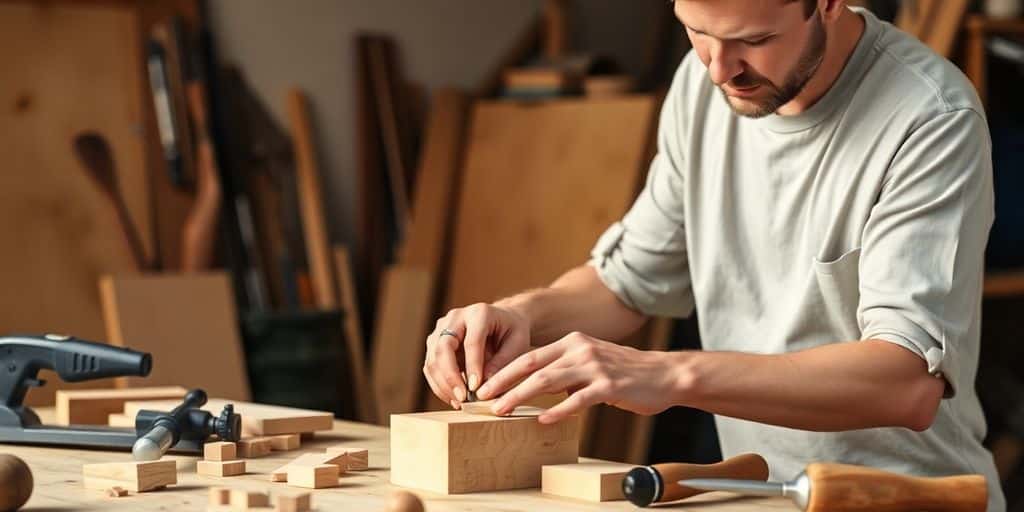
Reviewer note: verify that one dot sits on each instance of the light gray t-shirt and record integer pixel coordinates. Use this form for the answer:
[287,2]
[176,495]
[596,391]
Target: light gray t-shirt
[864,217]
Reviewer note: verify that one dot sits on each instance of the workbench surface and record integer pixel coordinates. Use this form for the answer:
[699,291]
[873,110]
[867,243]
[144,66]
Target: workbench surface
[58,483]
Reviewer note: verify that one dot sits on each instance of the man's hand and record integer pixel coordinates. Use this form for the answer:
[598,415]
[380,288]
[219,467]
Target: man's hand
[485,337]
[592,371]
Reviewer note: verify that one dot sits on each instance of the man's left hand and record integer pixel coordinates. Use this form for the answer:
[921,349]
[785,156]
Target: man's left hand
[592,371]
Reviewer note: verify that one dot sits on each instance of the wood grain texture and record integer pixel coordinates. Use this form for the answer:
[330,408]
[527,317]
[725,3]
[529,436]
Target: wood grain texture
[58,483]
[189,324]
[588,481]
[451,452]
[78,69]
[747,466]
[257,419]
[398,344]
[314,222]
[845,488]
[134,476]
[94,406]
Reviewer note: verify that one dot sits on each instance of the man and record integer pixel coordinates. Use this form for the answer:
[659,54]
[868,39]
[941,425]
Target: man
[822,197]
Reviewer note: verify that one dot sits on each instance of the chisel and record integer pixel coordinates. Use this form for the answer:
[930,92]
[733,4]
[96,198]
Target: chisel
[645,485]
[846,488]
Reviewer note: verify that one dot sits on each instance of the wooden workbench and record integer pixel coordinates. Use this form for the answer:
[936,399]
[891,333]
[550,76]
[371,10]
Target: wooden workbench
[58,483]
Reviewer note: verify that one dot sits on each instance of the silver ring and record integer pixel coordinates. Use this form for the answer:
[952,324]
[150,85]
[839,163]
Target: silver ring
[448,332]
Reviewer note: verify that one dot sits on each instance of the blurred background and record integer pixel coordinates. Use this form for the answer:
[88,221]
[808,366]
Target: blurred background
[277,199]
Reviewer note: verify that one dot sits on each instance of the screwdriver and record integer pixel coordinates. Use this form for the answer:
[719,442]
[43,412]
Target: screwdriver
[645,485]
[847,488]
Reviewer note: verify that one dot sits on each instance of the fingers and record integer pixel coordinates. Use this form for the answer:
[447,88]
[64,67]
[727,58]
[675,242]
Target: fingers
[551,379]
[574,404]
[441,367]
[519,369]
[480,322]
[510,348]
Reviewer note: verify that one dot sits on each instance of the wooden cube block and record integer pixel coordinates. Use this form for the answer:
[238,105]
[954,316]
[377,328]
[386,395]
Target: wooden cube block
[590,480]
[284,442]
[221,450]
[452,452]
[253,448]
[220,467]
[293,503]
[356,459]
[242,499]
[220,496]
[133,476]
[313,477]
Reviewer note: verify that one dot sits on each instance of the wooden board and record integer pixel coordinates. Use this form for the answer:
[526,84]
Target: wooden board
[189,324]
[94,406]
[314,223]
[354,340]
[257,419]
[451,452]
[78,69]
[588,481]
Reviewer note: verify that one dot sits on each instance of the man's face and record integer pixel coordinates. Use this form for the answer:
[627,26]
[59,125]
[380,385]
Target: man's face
[760,54]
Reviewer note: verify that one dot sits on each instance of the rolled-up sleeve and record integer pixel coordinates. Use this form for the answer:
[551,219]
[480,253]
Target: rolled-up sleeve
[642,258]
[922,258]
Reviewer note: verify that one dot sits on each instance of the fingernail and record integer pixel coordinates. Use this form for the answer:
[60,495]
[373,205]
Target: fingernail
[474,381]
[460,394]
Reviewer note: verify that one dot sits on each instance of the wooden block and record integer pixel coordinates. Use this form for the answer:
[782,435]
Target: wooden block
[253,448]
[133,476]
[220,467]
[285,442]
[452,452]
[484,407]
[117,492]
[257,419]
[116,419]
[220,496]
[589,481]
[221,450]
[293,503]
[310,459]
[94,406]
[242,499]
[356,459]
[313,477]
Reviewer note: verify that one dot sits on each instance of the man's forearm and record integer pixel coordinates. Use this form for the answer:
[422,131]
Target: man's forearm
[576,301]
[836,387]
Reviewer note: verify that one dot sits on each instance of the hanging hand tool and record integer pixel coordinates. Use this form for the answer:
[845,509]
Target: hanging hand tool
[845,488]
[645,485]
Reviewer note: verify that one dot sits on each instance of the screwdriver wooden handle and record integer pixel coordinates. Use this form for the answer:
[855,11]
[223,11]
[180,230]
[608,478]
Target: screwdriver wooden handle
[656,484]
[844,488]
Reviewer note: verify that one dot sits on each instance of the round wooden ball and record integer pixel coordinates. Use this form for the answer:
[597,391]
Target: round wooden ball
[15,482]
[405,501]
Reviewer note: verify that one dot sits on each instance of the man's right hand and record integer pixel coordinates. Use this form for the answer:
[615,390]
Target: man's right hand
[484,337]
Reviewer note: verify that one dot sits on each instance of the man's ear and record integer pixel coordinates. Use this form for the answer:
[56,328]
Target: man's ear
[830,10]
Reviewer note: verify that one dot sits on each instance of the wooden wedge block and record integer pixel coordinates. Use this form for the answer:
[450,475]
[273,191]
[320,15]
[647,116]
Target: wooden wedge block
[116,419]
[484,407]
[220,467]
[284,442]
[451,452]
[310,459]
[93,406]
[313,477]
[588,481]
[242,499]
[117,492]
[133,476]
[220,496]
[221,450]
[293,503]
[356,459]
[253,448]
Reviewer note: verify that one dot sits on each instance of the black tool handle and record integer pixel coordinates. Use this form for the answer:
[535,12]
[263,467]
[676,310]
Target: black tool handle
[74,360]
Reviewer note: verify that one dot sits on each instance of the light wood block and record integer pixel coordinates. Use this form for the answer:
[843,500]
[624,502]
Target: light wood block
[117,492]
[116,419]
[220,496]
[285,442]
[356,459]
[257,419]
[293,503]
[451,452]
[589,481]
[242,499]
[313,477]
[310,459]
[220,467]
[94,406]
[133,476]
[253,448]
[483,407]
[221,450]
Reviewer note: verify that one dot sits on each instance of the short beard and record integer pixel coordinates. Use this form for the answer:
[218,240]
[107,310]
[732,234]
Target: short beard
[795,81]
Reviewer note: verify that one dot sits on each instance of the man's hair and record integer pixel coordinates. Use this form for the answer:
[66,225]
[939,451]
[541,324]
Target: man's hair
[809,6]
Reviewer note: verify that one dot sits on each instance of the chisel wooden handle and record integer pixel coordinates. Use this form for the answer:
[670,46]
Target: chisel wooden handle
[655,484]
[844,488]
